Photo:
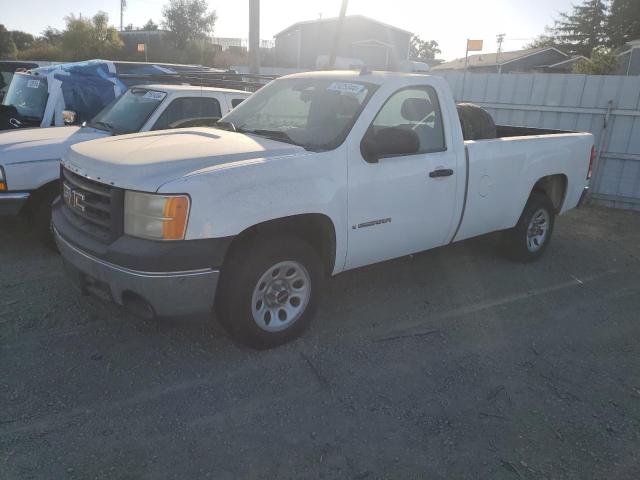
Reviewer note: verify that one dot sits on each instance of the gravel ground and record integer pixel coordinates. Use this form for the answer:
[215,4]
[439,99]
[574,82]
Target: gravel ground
[454,363]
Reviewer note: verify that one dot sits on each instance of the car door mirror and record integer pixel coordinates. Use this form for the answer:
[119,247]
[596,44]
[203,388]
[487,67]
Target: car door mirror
[388,142]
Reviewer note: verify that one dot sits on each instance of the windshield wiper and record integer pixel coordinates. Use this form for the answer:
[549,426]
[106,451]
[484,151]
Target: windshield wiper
[225,126]
[107,127]
[277,135]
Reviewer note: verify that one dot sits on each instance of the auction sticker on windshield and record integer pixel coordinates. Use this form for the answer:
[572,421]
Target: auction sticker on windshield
[346,88]
[155,95]
[33,83]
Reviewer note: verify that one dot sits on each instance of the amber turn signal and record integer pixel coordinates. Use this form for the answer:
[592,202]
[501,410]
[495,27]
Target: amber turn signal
[175,213]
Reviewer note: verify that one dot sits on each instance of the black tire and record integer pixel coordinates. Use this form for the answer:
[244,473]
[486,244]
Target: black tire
[42,217]
[242,270]
[516,240]
[476,122]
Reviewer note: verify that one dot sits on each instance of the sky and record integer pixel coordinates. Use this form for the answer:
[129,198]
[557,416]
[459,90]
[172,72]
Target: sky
[449,22]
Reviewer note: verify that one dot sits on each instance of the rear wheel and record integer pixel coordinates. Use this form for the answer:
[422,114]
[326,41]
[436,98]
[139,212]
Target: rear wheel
[268,291]
[528,240]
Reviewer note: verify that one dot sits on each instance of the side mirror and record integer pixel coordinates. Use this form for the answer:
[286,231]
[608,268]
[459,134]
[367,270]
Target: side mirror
[69,117]
[388,142]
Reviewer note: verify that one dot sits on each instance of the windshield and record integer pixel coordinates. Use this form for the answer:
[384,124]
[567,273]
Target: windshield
[28,94]
[128,113]
[311,112]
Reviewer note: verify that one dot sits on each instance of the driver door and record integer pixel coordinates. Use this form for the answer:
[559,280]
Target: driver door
[402,204]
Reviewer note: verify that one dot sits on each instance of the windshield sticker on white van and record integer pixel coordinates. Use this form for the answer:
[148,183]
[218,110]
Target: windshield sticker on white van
[33,83]
[346,88]
[155,95]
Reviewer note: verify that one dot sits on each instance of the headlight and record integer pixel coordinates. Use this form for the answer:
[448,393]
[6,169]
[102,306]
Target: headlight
[156,217]
[3,181]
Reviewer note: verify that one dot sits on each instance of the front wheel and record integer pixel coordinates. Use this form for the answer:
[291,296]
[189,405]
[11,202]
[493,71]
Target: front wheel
[528,240]
[269,291]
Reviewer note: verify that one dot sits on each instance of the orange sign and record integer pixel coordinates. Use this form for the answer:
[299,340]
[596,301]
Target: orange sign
[474,45]
[141,47]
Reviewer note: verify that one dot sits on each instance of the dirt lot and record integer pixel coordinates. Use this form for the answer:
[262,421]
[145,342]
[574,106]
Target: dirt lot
[450,364]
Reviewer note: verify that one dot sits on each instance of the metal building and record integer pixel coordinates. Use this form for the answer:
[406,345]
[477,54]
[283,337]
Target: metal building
[378,45]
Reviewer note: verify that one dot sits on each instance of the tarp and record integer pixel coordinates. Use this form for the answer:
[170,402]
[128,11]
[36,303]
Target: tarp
[86,87]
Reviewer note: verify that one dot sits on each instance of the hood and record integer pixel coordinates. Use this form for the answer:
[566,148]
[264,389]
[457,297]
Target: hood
[145,161]
[41,144]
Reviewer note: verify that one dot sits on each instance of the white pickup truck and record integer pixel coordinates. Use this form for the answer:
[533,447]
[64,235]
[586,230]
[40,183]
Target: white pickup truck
[315,174]
[30,158]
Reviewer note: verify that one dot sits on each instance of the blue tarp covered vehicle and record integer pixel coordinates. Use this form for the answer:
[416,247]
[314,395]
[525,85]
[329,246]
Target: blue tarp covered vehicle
[72,93]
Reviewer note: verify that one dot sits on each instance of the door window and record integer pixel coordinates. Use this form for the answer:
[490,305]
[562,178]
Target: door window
[188,108]
[236,101]
[417,109]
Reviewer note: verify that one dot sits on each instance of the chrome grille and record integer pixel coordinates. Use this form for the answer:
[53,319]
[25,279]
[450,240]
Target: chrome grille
[94,207]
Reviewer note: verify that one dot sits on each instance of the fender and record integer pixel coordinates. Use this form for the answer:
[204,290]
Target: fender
[228,200]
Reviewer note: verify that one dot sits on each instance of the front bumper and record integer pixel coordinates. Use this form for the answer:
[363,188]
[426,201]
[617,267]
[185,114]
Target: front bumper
[165,293]
[12,202]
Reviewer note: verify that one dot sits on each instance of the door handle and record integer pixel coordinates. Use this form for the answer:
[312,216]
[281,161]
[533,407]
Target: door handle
[441,172]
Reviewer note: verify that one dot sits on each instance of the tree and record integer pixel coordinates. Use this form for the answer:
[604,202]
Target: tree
[52,36]
[578,32]
[8,48]
[547,39]
[41,49]
[603,61]
[423,50]
[188,20]
[623,22]
[23,40]
[150,26]
[90,38]
[46,47]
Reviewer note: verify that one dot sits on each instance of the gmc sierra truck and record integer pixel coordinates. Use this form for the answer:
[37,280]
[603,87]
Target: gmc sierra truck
[30,158]
[315,174]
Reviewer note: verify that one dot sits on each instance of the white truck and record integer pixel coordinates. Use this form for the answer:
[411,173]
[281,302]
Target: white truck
[315,174]
[30,158]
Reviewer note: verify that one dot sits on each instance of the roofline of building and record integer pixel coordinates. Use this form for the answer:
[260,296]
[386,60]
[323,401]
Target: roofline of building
[372,40]
[498,64]
[572,59]
[331,19]
[158,30]
[636,47]
[534,53]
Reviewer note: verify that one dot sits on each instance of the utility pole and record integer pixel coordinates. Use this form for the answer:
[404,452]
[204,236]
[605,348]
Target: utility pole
[123,5]
[336,39]
[254,36]
[499,39]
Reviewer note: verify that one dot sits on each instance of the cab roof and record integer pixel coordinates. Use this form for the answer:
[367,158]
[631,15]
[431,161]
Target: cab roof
[377,77]
[188,88]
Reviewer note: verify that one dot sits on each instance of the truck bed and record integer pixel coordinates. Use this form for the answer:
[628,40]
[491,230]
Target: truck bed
[505,131]
[502,172]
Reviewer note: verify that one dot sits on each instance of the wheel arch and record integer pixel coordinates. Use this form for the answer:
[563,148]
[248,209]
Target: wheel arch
[38,194]
[554,187]
[315,228]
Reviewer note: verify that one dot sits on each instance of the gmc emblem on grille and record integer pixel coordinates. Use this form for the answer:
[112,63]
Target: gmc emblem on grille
[73,198]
